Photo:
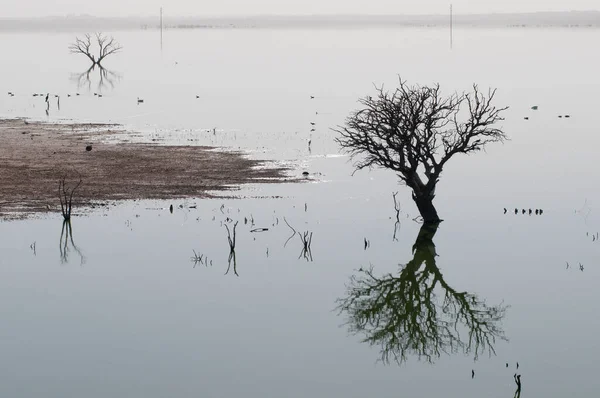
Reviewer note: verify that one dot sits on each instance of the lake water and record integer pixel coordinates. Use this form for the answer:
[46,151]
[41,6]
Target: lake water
[122,310]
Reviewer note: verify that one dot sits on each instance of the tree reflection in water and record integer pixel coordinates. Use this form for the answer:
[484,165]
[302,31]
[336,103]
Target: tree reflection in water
[417,312]
[67,243]
[106,78]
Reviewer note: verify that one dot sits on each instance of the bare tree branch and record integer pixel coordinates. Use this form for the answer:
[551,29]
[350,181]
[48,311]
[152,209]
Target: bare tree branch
[415,130]
[82,46]
[107,45]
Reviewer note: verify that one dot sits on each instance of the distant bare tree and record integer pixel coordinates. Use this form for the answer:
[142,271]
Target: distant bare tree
[107,45]
[414,131]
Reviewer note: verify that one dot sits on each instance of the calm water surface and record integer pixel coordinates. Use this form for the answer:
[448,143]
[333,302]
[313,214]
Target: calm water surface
[122,310]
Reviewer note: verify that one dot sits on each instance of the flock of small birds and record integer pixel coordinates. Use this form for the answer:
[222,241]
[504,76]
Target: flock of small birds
[537,212]
[535,108]
[47,96]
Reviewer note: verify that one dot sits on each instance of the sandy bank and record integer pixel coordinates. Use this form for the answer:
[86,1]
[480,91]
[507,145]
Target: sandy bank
[35,156]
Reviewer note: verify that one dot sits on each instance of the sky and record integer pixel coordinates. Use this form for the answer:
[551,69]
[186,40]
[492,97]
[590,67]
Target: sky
[117,8]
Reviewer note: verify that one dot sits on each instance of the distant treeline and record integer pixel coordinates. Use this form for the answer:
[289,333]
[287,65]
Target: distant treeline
[572,19]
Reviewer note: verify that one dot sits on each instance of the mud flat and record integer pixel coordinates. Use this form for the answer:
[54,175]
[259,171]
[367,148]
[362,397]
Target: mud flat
[35,156]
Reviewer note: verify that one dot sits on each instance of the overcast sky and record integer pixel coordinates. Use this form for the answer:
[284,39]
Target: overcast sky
[33,8]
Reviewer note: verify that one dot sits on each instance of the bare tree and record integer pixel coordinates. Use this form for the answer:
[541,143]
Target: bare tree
[415,130]
[403,314]
[107,45]
[65,194]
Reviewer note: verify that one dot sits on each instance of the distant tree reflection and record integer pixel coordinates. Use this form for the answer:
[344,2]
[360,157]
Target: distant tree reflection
[105,78]
[416,312]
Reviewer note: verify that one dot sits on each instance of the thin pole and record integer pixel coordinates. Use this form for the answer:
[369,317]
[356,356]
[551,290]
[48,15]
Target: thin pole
[450,25]
[161,28]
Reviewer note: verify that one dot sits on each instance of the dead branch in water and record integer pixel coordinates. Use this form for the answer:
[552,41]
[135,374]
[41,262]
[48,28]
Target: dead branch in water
[65,195]
[200,259]
[231,240]
[396,206]
[306,238]
[397,209]
[396,229]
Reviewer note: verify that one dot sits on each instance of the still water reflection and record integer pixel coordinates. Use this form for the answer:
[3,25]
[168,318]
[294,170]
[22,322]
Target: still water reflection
[67,244]
[103,79]
[417,312]
[138,321]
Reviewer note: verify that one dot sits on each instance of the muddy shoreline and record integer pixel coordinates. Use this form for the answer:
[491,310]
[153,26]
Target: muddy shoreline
[35,156]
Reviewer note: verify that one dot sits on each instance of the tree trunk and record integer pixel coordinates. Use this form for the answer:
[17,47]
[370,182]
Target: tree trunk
[425,205]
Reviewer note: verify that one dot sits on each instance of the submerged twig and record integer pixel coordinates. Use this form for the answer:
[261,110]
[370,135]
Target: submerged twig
[231,240]
[396,229]
[396,206]
[306,238]
[200,259]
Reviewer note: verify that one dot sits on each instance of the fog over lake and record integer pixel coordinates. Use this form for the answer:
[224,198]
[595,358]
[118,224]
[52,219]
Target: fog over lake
[142,301]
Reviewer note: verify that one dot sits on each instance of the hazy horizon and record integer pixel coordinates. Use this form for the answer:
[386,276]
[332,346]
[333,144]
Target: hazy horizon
[241,8]
[87,22]
[307,15]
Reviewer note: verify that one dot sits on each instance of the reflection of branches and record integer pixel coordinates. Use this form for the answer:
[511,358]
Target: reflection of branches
[231,240]
[518,383]
[306,238]
[66,236]
[397,209]
[83,78]
[200,259]
[292,228]
[403,315]
[106,78]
